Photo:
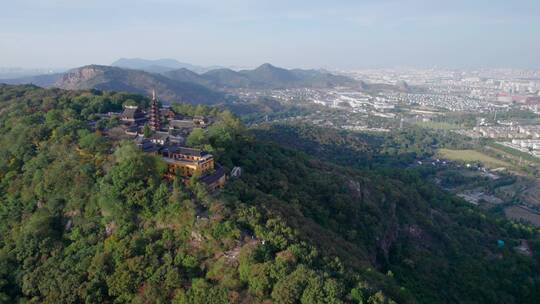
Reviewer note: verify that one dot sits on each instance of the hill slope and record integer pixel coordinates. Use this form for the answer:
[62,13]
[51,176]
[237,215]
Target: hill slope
[133,81]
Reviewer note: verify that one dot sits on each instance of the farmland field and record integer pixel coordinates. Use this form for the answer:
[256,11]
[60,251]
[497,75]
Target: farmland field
[522,213]
[472,156]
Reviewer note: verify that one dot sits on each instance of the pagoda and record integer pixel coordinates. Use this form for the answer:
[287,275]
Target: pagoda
[154,113]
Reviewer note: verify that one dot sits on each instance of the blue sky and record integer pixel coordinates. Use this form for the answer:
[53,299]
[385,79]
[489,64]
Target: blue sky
[301,33]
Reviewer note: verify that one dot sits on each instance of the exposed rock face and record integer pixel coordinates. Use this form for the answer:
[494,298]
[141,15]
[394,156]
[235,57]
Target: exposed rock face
[390,236]
[81,77]
[387,241]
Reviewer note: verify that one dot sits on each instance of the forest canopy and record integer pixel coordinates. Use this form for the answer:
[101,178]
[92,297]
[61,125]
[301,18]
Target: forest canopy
[88,219]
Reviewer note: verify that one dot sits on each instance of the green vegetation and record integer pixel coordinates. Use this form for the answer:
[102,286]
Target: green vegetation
[437,125]
[362,150]
[87,219]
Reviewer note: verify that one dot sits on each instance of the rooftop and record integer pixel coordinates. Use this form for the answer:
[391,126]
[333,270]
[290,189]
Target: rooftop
[131,112]
[212,178]
[179,161]
[185,151]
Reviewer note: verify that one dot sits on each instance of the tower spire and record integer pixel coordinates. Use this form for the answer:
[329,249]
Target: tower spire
[154,113]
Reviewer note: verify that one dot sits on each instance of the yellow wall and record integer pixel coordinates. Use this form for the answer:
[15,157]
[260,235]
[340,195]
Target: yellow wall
[188,169]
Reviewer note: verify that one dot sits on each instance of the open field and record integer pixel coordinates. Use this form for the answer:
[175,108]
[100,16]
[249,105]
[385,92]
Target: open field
[472,156]
[523,213]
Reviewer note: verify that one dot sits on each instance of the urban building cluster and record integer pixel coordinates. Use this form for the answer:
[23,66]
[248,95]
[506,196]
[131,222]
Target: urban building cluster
[510,131]
[468,90]
[530,146]
[386,99]
[453,103]
[381,92]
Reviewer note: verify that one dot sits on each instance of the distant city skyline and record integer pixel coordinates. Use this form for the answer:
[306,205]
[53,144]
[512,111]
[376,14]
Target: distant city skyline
[306,34]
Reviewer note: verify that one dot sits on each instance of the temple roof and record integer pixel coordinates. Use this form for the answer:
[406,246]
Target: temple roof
[214,177]
[180,124]
[160,135]
[185,151]
[131,113]
[145,144]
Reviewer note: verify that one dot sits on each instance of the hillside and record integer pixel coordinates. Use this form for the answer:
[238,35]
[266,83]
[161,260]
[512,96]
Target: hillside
[134,81]
[84,218]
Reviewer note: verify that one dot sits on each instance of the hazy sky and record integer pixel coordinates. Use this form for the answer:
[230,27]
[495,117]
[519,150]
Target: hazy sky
[301,33]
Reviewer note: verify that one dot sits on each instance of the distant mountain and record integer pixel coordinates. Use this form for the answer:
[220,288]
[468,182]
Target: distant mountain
[322,78]
[272,77]
[183,84]
[45,80]
[269,76]
[158,65]
[134,81]
[265,76]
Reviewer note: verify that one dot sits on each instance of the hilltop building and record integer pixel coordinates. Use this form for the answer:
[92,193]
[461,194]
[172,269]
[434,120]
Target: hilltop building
[187,161]
[166,141]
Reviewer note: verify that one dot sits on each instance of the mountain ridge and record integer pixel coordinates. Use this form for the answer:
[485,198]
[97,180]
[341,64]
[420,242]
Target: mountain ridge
[268,76]
[158,65]
[135,81]
[184,84]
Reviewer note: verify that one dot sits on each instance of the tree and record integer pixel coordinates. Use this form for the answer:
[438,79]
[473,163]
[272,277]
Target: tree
[196,138]
[147,132]
[94,142]
[201,292]
[289,290]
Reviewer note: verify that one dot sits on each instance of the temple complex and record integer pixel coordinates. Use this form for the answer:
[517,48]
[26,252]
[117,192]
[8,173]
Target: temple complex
[166,139]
